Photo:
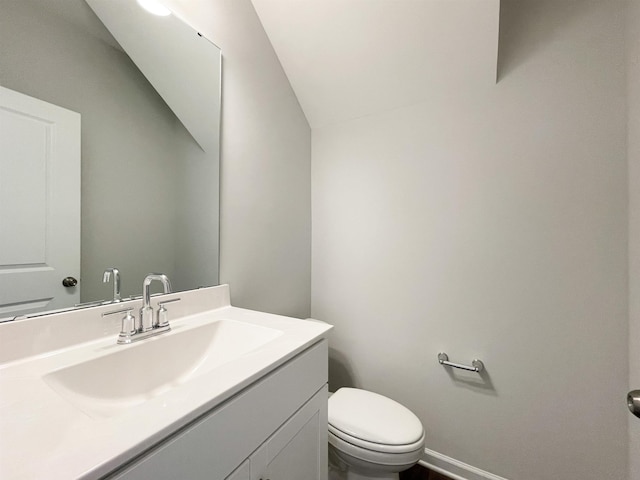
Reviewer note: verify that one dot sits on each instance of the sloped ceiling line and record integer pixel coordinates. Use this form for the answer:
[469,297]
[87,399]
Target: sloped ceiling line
[347,59]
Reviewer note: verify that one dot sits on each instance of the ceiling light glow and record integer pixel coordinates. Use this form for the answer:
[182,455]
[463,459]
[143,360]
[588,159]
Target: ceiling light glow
[155,7]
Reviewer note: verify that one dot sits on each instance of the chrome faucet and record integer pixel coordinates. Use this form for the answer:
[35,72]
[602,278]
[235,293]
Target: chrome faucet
[148,324]
[147,321]
[106,276]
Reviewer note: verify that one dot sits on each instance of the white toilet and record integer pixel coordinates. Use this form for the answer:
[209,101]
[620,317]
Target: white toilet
[372,436]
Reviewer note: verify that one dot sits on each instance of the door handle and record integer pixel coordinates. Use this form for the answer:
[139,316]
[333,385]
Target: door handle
[69,282]
[633,402]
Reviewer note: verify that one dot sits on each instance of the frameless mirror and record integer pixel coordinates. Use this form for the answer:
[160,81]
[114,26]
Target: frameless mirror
[149,145]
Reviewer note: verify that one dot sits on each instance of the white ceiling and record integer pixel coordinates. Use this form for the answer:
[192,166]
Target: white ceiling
[350,58]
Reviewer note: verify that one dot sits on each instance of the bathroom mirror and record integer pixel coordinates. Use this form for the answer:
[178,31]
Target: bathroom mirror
[149,167]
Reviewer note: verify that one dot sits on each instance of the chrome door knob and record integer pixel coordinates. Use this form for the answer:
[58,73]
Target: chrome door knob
[69,282]
[633,402]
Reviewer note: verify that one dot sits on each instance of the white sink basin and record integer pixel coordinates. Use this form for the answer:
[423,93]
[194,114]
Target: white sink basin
[132,374]
[73,404]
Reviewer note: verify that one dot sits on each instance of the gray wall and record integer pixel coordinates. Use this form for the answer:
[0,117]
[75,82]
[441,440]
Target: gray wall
[633,85]
[491,223]
[265,216]
[136,155]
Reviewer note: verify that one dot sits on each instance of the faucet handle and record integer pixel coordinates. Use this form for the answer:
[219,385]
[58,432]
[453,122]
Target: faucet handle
[163,317]
[169,301]
[128,325]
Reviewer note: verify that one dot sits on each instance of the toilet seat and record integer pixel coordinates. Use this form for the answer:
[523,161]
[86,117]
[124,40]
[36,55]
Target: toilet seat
[377,447]
[373,422]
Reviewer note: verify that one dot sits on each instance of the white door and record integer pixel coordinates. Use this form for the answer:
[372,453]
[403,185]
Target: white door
[39,205]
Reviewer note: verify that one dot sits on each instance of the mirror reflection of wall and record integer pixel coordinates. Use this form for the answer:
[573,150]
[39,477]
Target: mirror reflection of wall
[148,189]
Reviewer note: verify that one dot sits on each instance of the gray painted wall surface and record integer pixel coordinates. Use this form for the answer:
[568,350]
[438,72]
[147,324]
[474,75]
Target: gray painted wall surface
[136,156]
[265,216]
[491,223]
[633,85]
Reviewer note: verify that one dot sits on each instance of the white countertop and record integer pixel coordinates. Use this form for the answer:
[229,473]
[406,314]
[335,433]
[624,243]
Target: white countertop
[43,435]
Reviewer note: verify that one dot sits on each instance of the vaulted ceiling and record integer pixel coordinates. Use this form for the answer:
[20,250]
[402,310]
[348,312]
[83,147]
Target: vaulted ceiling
[350,58]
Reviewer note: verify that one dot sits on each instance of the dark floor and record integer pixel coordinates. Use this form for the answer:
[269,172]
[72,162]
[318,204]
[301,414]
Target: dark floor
[421,473]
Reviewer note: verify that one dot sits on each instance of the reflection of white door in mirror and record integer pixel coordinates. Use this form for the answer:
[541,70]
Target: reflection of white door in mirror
[39,205]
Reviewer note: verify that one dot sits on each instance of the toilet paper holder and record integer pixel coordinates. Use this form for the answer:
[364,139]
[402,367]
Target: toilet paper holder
[476,365]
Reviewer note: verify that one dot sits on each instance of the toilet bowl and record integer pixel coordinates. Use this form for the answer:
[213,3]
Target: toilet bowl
[372,436]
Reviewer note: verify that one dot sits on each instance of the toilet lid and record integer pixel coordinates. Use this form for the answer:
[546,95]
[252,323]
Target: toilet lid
[372,417]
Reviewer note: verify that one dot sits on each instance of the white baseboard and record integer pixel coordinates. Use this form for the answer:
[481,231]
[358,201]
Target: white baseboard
[453,468]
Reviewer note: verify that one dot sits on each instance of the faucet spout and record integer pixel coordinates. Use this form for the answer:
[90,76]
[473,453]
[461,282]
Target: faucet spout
[106,276]
[147,321]
[146,291]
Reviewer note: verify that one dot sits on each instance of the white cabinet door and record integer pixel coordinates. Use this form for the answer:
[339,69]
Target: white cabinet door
[298,449]
[39,204]
[243,472]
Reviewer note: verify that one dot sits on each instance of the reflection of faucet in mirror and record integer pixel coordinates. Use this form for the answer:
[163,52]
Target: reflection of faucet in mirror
[146,312]
[116,282]
[33,63]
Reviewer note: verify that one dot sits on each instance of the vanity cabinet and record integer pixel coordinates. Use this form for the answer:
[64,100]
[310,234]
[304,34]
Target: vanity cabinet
[298,450]
[275,429]
[243,472]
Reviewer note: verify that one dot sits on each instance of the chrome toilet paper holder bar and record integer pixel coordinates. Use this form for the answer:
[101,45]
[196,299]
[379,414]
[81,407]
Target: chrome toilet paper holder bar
[476,365]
